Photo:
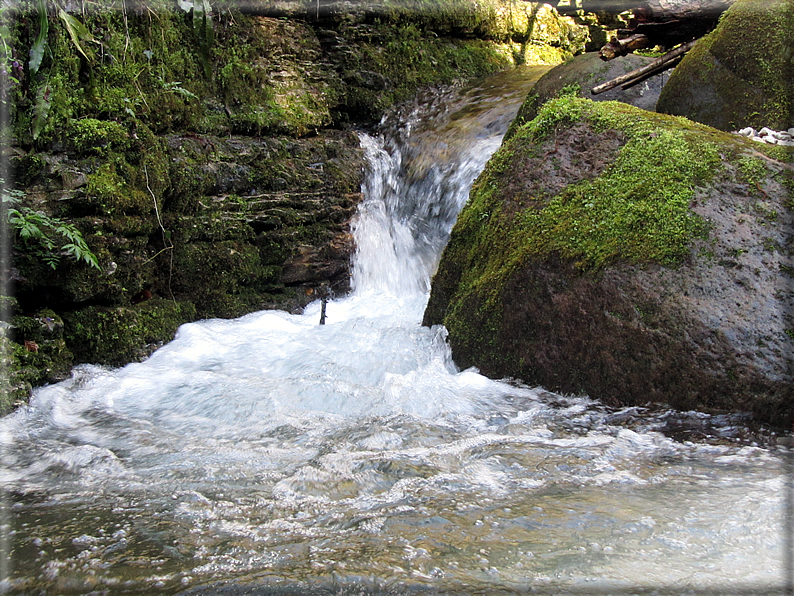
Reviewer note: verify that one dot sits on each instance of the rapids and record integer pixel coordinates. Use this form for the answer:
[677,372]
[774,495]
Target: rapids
[274,455]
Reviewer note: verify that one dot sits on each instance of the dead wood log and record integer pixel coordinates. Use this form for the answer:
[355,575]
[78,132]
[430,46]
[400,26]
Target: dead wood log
[667,10]
[663,23]
[653,9]
[620,47]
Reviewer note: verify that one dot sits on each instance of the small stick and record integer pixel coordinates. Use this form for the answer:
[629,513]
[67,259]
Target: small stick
[661,63]
[620,47]
[322,311]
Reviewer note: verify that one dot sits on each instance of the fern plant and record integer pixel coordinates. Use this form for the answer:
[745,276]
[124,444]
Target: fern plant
[46,237]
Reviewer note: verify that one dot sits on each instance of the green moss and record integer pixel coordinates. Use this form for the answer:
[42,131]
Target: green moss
[202,271]
[613,217]
[118,335]
[15,382]
[752,169]
[110,193]
[34,354]
[90,134]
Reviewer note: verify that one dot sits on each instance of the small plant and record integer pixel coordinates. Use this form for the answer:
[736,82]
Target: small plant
[48,238]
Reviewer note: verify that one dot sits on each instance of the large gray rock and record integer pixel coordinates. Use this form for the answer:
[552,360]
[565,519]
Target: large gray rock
[579,75]
[630,256]
[742,73]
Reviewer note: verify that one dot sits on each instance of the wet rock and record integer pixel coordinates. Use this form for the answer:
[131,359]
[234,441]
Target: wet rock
[118,335]
[659,273]
[740,74]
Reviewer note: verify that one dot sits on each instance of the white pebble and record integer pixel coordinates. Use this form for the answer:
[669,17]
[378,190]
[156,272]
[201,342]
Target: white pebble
[767,135]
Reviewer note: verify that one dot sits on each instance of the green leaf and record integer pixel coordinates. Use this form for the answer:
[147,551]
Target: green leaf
[78,32]
[202,27]
[37,51]
[43,236]
[51,259]
[41,110]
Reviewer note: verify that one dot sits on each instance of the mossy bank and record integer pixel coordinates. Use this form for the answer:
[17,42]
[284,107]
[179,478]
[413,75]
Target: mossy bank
[207,158]
[631,256]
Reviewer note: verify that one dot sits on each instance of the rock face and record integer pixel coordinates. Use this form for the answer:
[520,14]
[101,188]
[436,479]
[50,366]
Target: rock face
[742,73]
[580,74]
[630,256]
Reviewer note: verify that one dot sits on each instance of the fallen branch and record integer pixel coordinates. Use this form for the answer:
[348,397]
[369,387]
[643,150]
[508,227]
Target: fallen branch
[638,75]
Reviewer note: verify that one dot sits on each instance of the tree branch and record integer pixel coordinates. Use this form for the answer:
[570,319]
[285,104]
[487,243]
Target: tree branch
[662,63]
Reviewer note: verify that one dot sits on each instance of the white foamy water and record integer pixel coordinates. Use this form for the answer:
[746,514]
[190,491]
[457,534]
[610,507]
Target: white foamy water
[272,455]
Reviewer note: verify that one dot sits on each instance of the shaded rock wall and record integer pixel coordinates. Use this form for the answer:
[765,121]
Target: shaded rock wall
[630,256]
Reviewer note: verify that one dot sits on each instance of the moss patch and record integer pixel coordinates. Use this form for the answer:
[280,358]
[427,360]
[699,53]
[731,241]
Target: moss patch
[118,335]
[33,353]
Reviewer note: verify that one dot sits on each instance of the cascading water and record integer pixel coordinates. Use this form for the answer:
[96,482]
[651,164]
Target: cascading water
[272,455]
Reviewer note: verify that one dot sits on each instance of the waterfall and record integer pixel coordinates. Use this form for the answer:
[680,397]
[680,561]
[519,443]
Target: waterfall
[417,184]
[271,454]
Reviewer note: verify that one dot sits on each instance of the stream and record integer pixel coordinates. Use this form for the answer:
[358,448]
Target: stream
[273,455]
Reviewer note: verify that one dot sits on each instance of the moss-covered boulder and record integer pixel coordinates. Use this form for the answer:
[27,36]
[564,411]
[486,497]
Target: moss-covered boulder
[580,74]
[742,73]
[631,256]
